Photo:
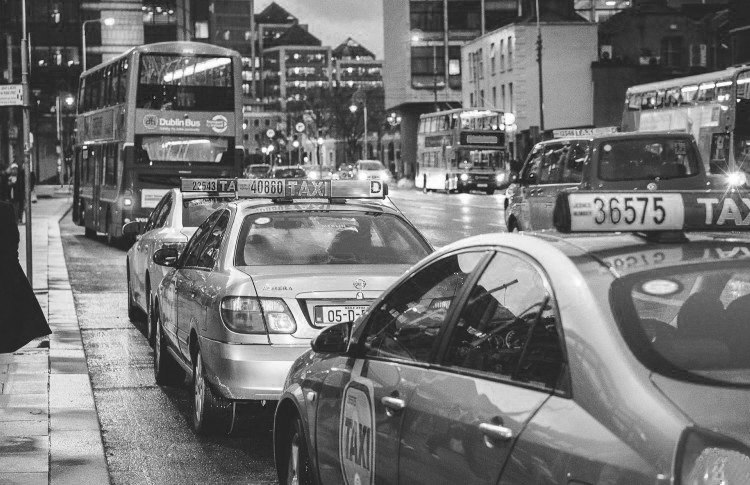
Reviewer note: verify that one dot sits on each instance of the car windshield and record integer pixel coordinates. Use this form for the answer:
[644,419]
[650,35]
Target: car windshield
[195,211]
[289,173]
[320,237]
[647,159]
[371,166]
[259,169]
[691,320]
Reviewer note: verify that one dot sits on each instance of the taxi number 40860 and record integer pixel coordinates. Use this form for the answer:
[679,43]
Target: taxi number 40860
[337,314]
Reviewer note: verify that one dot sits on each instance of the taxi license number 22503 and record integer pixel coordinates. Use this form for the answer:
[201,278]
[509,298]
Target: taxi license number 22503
[597,212]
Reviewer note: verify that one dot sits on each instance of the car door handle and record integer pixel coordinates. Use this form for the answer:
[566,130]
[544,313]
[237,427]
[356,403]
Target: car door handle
[393,403]
[496,432]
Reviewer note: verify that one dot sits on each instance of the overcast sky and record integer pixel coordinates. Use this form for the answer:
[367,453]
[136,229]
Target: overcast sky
[332,21]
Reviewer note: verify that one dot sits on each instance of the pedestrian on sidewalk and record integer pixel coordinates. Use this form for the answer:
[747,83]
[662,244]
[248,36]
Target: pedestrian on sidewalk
[21,318]
[16,190]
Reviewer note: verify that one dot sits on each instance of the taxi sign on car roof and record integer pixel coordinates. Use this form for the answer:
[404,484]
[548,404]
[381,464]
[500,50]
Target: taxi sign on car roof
[290,188]
[592,211]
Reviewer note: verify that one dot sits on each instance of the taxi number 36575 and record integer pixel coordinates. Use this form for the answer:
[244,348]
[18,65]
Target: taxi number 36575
[630,210]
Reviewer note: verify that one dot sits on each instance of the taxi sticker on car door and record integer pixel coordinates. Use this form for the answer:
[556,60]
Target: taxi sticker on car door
[357,433]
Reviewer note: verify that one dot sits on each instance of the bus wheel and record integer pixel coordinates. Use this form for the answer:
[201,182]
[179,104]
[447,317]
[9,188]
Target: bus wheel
[111,239]
[87,231]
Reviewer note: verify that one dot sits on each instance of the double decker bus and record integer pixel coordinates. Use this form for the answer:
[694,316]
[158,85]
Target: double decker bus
[714,107]
[148,117]
[460,150]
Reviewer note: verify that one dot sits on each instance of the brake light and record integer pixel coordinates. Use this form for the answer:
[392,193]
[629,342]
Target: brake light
[707,458]
[243,314]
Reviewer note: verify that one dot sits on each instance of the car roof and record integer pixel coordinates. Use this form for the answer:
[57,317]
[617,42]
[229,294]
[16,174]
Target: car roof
[621,136]
[615,251]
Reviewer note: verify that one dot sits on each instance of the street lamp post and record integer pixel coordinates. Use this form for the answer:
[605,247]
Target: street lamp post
[539,60]
[353,109]
[109,21]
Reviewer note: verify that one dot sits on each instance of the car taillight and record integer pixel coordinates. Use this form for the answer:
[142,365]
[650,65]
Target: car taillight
[707,458]
[243,314]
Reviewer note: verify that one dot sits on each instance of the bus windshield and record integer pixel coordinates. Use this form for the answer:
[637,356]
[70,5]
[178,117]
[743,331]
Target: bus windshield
[480,159]
[187,83]
[171,148]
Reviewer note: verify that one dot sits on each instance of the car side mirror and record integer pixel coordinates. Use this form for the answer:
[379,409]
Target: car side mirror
[333,340]
[166,257]
[133,228]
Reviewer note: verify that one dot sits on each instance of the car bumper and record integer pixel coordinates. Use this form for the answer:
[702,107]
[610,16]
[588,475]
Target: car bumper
[248,372]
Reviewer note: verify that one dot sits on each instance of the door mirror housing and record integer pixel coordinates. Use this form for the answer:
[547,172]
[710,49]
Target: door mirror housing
[166,257]
[134,228]
[333,340]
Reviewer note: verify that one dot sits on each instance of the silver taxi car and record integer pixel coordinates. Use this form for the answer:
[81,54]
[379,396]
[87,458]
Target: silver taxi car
[619,161]
[262,276]
[612,358]
[171,223]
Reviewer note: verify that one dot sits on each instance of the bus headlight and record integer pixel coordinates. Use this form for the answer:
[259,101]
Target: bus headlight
[464,177]
[735,179]
[500,178]
[127,202]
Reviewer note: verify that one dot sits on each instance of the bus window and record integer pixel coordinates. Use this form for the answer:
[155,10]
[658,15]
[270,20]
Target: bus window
[723,91]
[672,97]
[648,101]
[634,102]
[659,99]
[743,85]
[689,94]
[706,92]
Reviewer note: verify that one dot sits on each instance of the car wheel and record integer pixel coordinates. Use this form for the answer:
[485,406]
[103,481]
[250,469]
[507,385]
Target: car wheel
[166,370]
[298,469]
[512,226]
[211,413]
[150,320]
[134,314]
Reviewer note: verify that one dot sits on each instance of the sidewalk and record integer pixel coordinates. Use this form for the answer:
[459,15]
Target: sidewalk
[49,429]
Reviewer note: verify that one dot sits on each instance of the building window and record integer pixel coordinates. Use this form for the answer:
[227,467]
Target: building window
[201,30]
[502,97]
[426,16]
[464,15]
[494,97]
[471,99]
[492,56]
[502,55]
[510,98]
[671,51]
[481,64]
[510,53]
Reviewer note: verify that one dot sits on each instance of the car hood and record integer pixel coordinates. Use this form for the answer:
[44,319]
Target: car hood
[324,281]
[723,409]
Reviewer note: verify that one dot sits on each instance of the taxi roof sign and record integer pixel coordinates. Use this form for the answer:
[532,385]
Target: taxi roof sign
[653,211]
[289,188]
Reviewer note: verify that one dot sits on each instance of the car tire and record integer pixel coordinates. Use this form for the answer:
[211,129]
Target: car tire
[134,313]
[298,470]
[166,370]
[212,414]
[150,320]
[512,226]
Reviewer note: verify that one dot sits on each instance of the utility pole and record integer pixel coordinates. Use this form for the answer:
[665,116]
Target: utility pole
[26,143]
[539,60]
[253,92]
[11,110]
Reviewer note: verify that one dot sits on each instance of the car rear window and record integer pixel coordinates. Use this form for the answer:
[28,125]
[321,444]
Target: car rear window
[195,211]
[289,173]
[371,166]
[313,238]
[647,159]
[690,320]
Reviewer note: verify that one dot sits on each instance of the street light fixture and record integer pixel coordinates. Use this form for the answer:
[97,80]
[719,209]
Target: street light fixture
[109,21]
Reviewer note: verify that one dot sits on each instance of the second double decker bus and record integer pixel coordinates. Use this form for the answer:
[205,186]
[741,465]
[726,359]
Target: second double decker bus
[714,107]
[154,114]
[460,150]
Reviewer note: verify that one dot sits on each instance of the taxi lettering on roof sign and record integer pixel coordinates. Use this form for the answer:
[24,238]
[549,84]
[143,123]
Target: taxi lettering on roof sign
[209,185]
[301,189]
[652,211]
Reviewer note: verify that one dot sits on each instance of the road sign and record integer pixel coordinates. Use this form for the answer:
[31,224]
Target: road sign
[11,95]
[300,127]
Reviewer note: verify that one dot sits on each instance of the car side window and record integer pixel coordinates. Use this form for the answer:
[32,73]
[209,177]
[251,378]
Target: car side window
[210,252]
[194,245]
[164,213]
[508,327]
[550,170]
[405,326]
[531,169]
[573,171]
[152,218]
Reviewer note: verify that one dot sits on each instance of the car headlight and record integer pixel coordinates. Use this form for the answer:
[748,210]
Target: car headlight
[313,175]
[243,314]
[385,175]
[464,177]
[362,176]
[127,202]
[735,179]
[500,178]
[707,458]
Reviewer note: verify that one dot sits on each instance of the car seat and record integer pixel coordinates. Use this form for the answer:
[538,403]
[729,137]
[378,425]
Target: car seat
[347,247]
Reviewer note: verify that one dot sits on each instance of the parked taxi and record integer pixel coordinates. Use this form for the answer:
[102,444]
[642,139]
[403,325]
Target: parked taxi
[262,276]
[171,223]
[615,354]
[618,161]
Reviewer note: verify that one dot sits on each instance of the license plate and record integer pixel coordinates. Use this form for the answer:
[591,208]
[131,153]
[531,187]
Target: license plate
[326,315]
[481,185]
